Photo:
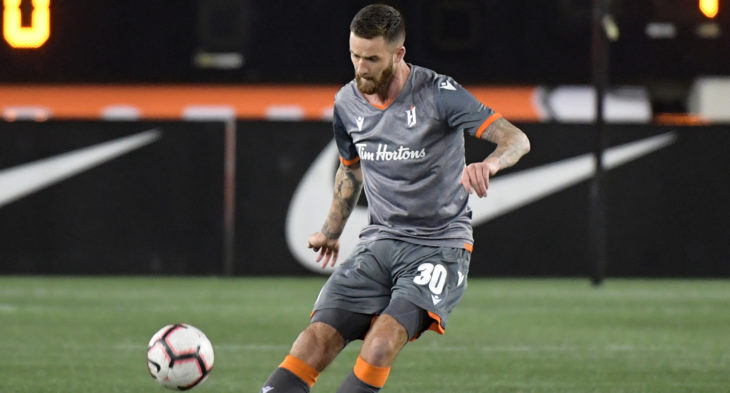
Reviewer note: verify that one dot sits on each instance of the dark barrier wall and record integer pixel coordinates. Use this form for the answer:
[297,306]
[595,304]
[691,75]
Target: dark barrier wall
[157,208]
[667,209]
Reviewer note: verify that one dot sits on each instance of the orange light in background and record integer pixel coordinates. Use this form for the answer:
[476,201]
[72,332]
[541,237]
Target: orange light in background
[709,8]
[34,36]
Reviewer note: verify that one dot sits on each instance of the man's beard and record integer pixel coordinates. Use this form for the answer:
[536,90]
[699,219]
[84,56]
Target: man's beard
[372,86]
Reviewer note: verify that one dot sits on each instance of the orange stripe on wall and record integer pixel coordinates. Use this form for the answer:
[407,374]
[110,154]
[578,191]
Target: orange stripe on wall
[168,102]
[248,102]
[515,103]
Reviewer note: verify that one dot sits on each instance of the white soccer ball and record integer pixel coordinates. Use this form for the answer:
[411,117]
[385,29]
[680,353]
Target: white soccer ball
[179,356]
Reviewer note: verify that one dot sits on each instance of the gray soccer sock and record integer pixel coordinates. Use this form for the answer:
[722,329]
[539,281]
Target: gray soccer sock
[353,384]
[284,381]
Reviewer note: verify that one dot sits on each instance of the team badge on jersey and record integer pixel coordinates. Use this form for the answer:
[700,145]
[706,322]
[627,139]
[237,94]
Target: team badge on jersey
[411,116]
[447,85]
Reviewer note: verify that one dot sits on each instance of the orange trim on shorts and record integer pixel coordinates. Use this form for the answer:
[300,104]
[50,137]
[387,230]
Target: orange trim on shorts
[469,247]
[349,162]
[371,375]
[301,369]
[487,123]
[372,320]
[436,324]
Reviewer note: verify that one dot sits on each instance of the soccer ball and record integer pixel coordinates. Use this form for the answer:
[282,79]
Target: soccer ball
[179,356]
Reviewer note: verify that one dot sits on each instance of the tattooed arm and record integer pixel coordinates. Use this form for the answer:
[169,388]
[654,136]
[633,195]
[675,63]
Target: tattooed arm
[348,184]
[511,143]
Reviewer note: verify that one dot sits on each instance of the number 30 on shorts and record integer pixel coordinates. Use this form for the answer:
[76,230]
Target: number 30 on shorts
[433,275]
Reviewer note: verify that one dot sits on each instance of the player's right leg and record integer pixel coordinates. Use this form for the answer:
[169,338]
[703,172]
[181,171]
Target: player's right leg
[315,348]
[356,291]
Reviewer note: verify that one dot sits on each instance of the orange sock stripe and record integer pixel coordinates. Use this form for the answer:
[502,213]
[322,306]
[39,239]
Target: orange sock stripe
[371,375]
[302,370]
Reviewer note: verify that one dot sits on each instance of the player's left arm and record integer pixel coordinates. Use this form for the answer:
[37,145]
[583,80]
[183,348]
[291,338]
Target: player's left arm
[511,143]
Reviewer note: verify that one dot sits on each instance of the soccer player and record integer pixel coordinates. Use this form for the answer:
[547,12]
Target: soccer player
[400,130]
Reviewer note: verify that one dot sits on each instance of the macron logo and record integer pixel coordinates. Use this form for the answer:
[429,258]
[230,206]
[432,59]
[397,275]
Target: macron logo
[447,86]
[266,389]
[436,300]
[359,121]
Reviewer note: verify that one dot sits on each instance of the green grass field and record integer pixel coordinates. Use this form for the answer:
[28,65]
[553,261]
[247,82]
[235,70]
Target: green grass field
[90,335]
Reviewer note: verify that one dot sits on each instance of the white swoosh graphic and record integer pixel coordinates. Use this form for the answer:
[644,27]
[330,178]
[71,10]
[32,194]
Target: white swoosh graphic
[310,204]
[25,179]
[510,192]
[309,207]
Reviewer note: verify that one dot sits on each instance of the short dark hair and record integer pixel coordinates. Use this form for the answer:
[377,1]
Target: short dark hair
[378,20]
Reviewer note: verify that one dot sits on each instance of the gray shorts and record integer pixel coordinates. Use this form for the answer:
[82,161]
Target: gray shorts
[433,278]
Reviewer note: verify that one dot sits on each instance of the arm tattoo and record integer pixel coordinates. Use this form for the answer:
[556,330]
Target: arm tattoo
[348,184]
[511,142]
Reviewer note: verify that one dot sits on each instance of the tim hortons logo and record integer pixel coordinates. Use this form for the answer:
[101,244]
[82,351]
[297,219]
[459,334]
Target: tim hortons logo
[384,154]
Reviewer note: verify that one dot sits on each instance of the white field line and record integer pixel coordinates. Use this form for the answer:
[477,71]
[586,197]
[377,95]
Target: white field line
[411,348]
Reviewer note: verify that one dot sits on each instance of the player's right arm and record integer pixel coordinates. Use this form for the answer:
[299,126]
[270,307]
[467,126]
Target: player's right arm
[348,185]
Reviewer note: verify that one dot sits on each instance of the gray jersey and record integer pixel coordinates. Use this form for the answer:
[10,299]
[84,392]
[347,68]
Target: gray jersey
[412,157]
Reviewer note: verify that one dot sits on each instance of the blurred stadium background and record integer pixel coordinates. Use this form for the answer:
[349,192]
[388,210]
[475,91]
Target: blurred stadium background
[157,139]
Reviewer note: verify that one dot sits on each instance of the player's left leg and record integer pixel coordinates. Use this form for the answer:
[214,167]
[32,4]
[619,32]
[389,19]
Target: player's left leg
[429,282]
[400,322]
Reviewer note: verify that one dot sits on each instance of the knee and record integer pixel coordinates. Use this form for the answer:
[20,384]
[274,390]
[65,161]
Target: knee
[318,345]
[322,335]
[384,342]
[380,351]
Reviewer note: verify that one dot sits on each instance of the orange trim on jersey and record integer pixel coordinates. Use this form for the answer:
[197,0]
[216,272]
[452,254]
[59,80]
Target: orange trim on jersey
[381,107]
[436,324]
[301,369]
[469,247]
[487,123]
[371,375]
[349,162]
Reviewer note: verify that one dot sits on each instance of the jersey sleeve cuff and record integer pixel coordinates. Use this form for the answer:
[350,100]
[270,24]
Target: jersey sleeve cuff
[349,162]
[487,123]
